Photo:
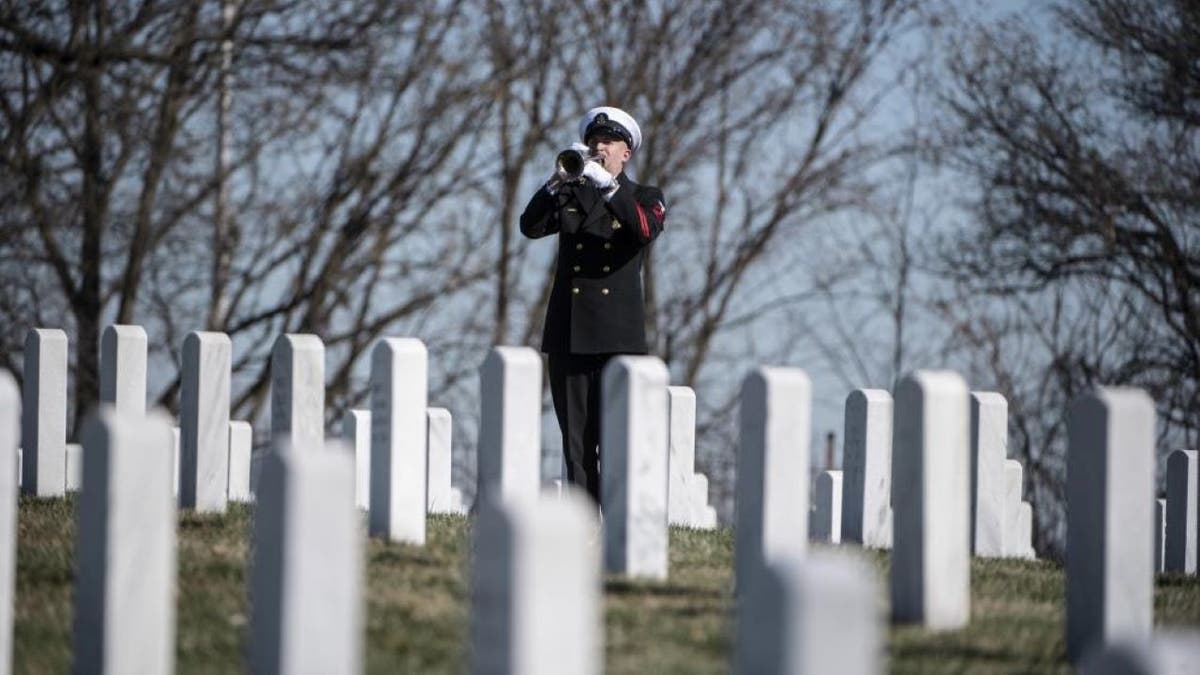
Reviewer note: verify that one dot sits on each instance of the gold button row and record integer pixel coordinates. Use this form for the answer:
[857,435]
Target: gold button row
[603,291]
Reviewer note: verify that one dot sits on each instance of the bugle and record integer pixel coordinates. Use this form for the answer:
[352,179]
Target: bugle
[571,162]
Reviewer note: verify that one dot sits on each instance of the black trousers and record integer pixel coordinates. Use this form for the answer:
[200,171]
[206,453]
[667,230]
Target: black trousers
[575,388]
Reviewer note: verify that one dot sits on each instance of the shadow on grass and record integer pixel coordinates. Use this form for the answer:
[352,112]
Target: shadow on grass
[624,587]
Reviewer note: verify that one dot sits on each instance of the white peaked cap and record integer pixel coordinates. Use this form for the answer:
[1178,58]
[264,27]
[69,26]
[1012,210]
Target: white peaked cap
[617,116]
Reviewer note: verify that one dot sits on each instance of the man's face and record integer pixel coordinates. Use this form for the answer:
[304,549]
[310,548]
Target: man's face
[612,149]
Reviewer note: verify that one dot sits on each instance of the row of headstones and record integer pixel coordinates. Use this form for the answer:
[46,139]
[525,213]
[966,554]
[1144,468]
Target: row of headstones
[55,465]
[1111,455]
[305,548]
[1177,518]
[855,504]
[213,457]
[929,572]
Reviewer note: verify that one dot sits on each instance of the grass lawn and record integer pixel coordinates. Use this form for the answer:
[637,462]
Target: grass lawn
[417,605]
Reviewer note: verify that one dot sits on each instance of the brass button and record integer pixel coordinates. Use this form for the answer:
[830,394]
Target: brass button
[607,245]
[616,224]
[604,291]
[575,291]
[578,247]
[577,268]
[606,268]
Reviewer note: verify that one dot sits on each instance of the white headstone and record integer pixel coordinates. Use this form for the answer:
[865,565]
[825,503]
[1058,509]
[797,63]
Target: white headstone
[931,490]
[698,484]
[633,473]
[510,424]
[74,462]
[123,368]
[306,575]
[1160,533]
[10,434]
[536,588]
[125,550]
[989,447]
[241,447]
[204,422]
[771,492]
[809,615]
[441,498]
[44,414]
[1014,480]
[1183,474]
[828,522]
[399,395]
[356,431]
[1172,651]
[1110,492]
[298,390]
[681,411]
[176,466]
[1025,531]
[867,469]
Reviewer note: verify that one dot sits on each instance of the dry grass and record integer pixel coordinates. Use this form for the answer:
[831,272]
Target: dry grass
[417,605]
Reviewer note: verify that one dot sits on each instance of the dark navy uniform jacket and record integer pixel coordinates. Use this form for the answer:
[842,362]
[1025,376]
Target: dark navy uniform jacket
[597,305]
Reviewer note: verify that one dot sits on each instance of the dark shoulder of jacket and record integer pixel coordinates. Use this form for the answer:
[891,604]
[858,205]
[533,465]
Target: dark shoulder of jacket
[648,194]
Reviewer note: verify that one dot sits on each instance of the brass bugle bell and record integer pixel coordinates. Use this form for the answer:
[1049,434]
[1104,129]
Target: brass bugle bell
[571,162]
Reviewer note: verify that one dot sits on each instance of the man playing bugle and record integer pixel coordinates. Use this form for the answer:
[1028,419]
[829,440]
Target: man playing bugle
[604,222]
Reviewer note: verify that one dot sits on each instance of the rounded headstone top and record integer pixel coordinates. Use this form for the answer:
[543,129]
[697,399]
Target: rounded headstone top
[989,398]
[869,396]
[46,335]
[934,382]
[206,337]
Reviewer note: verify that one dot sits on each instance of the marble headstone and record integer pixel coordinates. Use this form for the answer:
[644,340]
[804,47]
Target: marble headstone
[241,446]
[306,573]
[809,615]
[44,414]
[771,492]
[633,475]
[1110,517]
[1167,652]
[1160,533]
[125,550]
[681,412]
[356,431]
[74,464]
[298,390]
[123,368]
[399,396]
[931,490]
[704,516]
[176,466]
[442,497]
[867,469]
[10,433]
[1182,476]
[989,447]
[510,425]
[827,525]
[536,592]
[204,422]
[1014,479]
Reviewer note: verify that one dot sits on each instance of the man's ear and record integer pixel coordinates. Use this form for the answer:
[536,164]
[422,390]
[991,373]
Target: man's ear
[626,154]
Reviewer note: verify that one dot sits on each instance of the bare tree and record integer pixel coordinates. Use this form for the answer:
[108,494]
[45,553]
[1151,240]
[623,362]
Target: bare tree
[346,124]
[1081,254]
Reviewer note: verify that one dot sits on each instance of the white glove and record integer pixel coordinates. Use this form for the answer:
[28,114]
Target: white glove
[599,176]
